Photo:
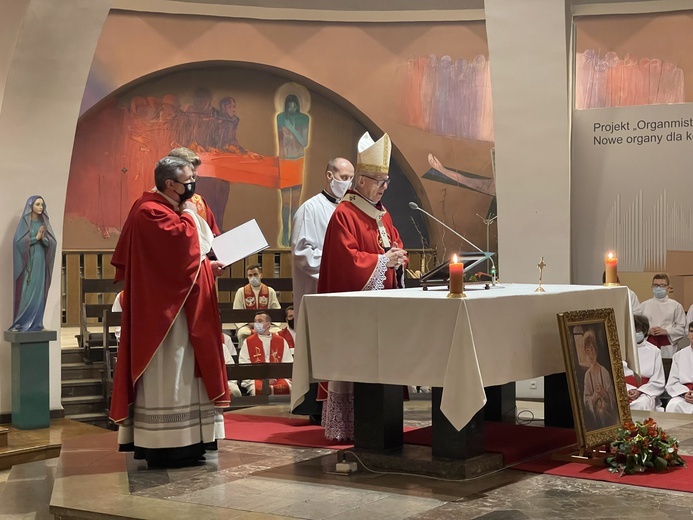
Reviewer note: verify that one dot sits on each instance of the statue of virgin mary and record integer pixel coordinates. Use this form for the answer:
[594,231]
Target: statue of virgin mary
[34,254]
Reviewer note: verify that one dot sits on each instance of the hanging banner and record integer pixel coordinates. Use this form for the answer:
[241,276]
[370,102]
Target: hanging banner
[631,185]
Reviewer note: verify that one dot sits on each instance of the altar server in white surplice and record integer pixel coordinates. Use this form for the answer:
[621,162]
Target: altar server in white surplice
[309,227]
[680,382]
[307,239]
[644,395]
[667,317]
[229,352]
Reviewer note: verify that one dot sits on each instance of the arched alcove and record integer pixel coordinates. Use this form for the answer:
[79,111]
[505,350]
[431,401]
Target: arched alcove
[229,113]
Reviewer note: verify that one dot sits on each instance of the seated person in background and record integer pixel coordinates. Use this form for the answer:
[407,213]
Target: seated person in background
[262,346]
[634,301]
[229,352]
[288,332]
[689,314]
[253,295]
[117,307]
[646,395]
[667,317]
[680,382]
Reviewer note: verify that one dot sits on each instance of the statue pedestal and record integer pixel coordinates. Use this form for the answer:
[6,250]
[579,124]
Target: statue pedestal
[30,378]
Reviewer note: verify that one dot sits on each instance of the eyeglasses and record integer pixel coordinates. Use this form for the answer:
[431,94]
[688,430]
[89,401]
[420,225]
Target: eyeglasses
[379,182]
[659,286]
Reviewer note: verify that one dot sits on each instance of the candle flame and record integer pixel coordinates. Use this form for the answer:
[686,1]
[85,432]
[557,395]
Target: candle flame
[610,255]
[454,259]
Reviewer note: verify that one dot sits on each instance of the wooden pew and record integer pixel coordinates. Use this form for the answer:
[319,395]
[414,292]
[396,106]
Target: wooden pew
[110,353]
[97,295]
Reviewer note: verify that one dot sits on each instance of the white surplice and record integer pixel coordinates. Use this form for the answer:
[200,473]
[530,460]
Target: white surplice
[669,315]
[244,359]
[229,352]
[307,240]
[680,375]
[635,305]
[172,408]
[650,360]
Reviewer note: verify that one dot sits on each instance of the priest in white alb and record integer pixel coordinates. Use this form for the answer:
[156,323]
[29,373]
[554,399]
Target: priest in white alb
[263,346]
[307,238]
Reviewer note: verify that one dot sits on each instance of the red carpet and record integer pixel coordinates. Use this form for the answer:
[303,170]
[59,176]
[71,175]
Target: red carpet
[676,479]
[515,441]
[528,440]
[277,430]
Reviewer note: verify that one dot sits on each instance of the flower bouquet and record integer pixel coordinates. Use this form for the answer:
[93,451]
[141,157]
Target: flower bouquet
[641,446]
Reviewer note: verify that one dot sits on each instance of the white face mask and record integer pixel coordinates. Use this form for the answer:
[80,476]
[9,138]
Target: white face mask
[339,188]
[259,327]
[254,281]
[639,337]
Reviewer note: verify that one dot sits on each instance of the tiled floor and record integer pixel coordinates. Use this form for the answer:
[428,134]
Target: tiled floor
[253,481]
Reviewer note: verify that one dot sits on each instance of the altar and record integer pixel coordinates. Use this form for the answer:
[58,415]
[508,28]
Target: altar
[414,337]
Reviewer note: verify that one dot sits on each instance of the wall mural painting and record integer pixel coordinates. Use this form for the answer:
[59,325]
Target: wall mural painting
[452,98]
[608,80]
[446,97]
[293,124]
[117,146]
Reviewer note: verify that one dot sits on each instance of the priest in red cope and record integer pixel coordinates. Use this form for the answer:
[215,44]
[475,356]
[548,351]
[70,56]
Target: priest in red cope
[362,252]
[170,379]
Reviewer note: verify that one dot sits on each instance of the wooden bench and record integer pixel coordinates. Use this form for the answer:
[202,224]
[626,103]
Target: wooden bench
[262,371]
[97,295]
[110,353]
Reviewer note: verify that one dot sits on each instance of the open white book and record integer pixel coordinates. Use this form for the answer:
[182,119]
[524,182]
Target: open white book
[239,242]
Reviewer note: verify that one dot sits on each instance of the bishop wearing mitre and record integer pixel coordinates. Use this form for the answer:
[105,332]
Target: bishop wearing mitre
[362,252]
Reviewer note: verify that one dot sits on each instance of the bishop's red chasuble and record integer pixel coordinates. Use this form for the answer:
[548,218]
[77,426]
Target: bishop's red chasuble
[352,249]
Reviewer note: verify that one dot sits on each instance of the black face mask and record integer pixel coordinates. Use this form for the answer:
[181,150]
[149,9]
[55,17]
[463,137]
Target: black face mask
[291,323]
[189,190]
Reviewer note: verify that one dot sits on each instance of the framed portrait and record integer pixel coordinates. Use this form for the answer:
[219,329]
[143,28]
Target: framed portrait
[594,371]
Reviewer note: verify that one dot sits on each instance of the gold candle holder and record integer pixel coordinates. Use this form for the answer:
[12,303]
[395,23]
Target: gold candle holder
[457,295]
[610,284]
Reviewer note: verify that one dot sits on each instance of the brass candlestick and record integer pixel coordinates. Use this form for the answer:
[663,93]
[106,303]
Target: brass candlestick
[541,266]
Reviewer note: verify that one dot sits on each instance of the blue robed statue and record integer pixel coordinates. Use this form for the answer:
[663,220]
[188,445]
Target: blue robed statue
[34,254]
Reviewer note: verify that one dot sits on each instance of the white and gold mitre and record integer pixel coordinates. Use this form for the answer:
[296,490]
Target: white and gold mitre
[374,156]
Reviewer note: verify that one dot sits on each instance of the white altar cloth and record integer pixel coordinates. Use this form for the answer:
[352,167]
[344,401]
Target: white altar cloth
[411,336]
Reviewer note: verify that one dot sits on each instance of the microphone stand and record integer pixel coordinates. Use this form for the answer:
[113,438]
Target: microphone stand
[414,205]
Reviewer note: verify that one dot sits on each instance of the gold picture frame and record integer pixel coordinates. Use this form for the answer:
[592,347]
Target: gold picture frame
[594,371]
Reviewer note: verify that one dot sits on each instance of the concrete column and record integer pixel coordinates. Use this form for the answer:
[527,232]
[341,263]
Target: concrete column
[46,50]
[528,53]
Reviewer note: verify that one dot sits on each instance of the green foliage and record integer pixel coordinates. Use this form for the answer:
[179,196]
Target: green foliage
[641,446]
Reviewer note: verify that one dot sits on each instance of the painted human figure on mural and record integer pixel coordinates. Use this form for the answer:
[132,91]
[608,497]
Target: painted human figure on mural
[292,132]
[34,254]
[202,118]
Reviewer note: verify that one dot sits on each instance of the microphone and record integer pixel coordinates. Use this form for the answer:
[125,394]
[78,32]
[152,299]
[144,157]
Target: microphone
[414,205]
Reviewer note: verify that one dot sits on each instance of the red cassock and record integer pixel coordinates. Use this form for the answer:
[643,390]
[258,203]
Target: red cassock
[351,250]
[158,256]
